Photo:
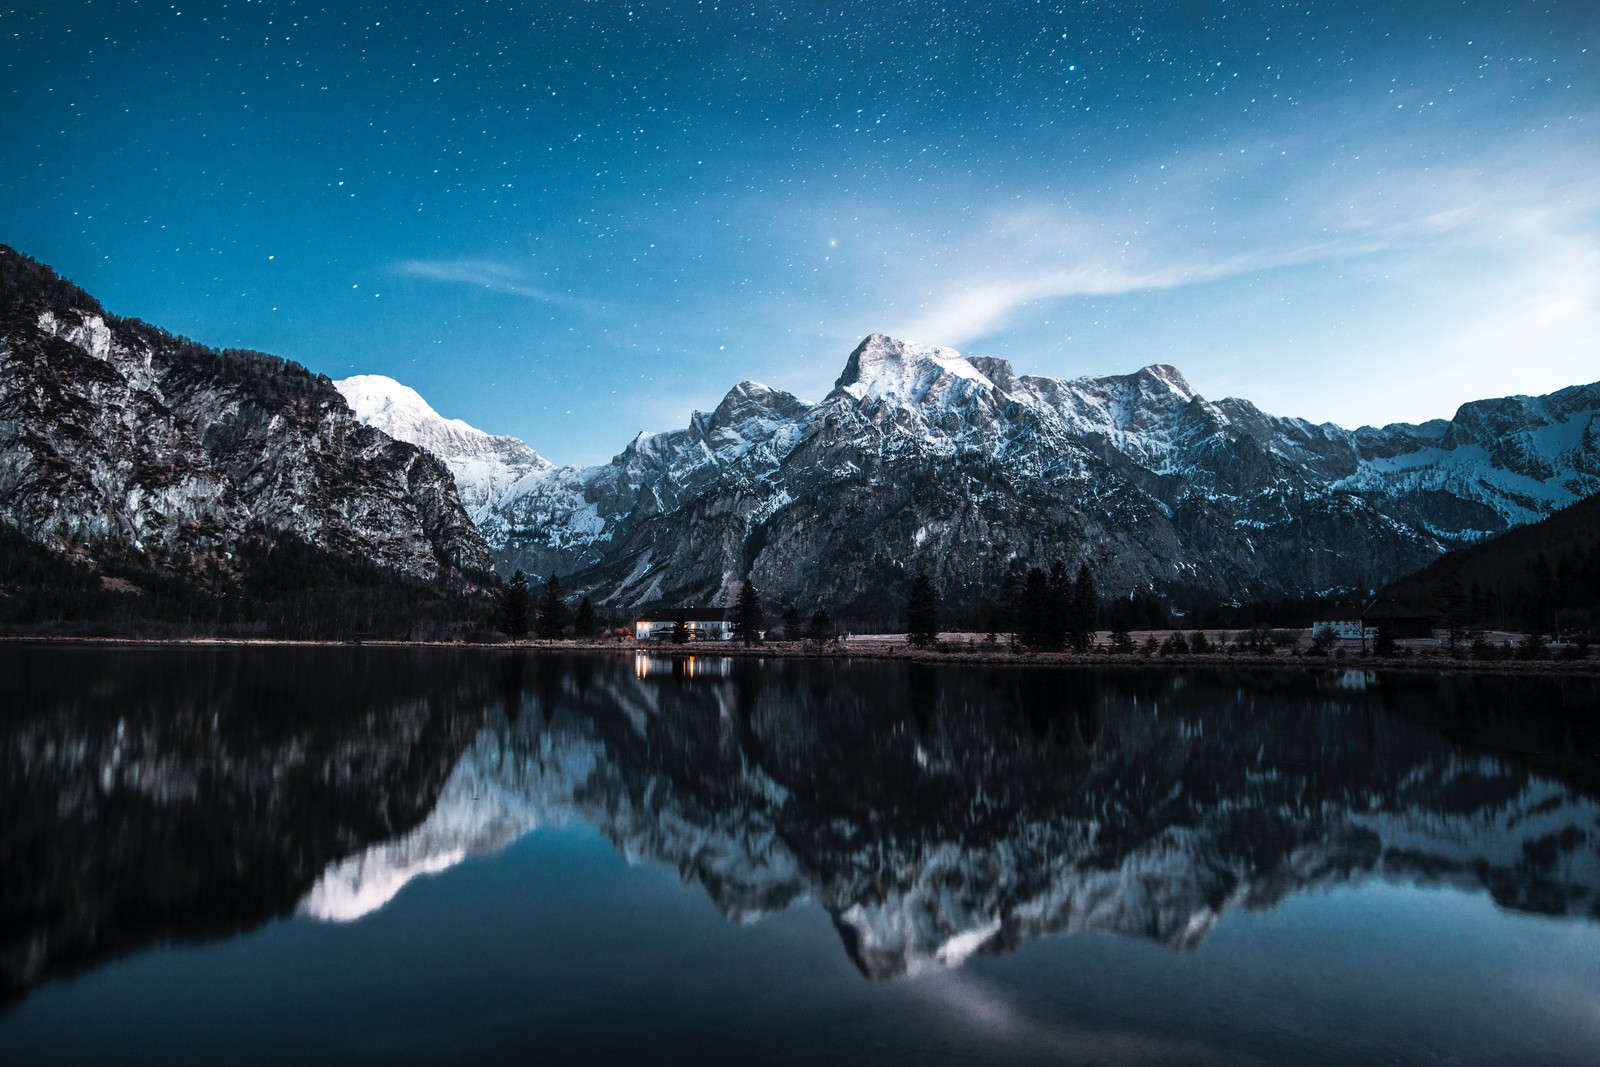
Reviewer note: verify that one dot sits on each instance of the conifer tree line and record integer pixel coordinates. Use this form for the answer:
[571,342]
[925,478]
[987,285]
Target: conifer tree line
[1537,597]
[1048,611]
[517,615]
[818,628]
[280,587]
[1058,608]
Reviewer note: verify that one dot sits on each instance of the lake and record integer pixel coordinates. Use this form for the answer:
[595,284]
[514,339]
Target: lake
[428,855]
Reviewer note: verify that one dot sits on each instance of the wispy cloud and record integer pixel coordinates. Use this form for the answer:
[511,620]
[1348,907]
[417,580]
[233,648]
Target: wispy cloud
[496,277]
[968,309]
[1516,221]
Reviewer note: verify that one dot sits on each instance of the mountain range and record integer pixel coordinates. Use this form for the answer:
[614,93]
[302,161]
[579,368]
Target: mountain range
[123,445]
[923,459]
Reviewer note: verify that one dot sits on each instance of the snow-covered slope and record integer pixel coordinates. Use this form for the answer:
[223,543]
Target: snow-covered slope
[485,466]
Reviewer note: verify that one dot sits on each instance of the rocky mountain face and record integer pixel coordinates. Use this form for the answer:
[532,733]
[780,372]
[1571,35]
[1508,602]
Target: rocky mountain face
[487,468]
[921,458]
[124,444]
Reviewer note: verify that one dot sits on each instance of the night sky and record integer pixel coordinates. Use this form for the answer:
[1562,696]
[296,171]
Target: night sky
[572,221]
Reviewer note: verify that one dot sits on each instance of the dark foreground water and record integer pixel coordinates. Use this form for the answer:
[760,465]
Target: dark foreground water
[485,856]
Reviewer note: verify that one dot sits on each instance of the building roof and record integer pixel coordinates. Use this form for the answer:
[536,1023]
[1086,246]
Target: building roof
[688,614]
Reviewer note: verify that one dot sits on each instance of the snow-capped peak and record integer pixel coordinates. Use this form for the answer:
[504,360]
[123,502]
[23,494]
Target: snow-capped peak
[883,366]
[372,394]
[1166,375]
[485,465]
[400,411]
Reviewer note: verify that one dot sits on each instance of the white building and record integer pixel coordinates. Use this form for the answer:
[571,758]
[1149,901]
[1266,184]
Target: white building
[703,624]
[1349,629]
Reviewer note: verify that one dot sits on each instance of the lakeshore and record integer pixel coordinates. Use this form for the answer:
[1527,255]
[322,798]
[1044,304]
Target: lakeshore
[1419,655]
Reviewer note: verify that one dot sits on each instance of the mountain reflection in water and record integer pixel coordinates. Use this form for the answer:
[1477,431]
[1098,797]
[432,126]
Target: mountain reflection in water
[932,812]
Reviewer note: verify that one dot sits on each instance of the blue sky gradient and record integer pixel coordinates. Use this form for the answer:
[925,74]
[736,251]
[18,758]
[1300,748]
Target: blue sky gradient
[572,221]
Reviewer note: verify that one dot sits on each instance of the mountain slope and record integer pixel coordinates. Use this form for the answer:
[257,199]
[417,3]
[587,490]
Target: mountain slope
[125,445]
[1535,577]
[485,467]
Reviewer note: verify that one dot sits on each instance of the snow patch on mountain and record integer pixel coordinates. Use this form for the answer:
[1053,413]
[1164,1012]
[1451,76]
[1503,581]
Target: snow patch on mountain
[883,367]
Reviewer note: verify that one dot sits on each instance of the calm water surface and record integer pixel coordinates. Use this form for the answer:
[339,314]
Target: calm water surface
[425,856]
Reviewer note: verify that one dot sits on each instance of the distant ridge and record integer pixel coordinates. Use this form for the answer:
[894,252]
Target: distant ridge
[1528,578]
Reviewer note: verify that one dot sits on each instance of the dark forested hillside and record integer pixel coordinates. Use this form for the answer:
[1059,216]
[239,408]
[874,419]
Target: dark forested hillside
[1540,578]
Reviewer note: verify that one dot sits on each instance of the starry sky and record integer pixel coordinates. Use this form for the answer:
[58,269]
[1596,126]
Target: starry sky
[571,221]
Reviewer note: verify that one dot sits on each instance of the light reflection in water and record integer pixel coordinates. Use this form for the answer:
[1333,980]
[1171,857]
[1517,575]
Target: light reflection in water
[646,665]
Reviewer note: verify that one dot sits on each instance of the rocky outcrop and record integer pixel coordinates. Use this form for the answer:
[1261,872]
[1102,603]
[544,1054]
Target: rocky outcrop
[123,444]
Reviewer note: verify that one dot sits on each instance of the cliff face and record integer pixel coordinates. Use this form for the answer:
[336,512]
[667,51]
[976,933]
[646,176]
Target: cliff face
[121,443]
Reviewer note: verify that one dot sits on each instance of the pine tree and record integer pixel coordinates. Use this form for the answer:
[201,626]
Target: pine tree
[680,629]
[820,629]
[513,613]
[1121,641]
[1538,608]
[1081,617]
[1034,608]
[747,615]
[1384,644]
[1003,614]
[552,609]
[585,623]
[922,613]
[1450,606]
[1055,635]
